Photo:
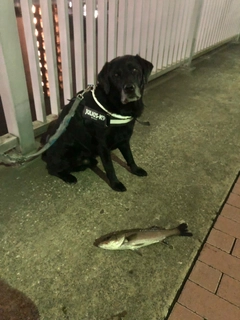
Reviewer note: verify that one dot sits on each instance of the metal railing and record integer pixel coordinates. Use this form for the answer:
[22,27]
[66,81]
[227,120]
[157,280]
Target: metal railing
[52,49]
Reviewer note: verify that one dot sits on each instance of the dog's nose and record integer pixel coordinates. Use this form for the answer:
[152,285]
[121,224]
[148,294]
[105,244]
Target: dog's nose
[129,87]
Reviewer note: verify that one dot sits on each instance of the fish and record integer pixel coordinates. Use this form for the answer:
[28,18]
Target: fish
[133,239]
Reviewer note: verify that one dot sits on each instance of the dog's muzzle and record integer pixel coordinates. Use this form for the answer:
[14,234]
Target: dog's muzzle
[130,93]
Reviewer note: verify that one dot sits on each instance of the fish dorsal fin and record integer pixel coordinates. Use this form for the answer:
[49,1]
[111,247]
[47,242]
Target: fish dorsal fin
[156,228]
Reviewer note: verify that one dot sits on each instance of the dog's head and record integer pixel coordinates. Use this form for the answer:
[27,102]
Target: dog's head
[127,75]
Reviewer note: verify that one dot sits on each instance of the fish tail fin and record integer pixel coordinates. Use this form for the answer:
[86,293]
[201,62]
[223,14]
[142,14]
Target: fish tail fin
[183,229]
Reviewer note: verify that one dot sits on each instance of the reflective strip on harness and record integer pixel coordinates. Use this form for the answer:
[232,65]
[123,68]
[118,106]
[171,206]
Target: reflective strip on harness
[117,118]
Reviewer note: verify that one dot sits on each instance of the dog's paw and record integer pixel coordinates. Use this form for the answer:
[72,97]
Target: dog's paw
[139,172]
[68,178]
[118,186]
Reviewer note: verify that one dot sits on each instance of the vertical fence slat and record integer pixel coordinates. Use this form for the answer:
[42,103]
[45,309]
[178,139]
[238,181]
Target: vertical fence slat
[182,35]
[208,23]
[79,45]
[237,4]
[237,11]
[213,17]
[159,12]
[224,17]
[175,39]
[191,5]
[194,25]
[173,33]
[13,87]
[144,28]
[180,18]
[218,22]
[164,19]
[168,32]
[130,23]
[225,9]
[151,29]
[112,29]
[137,27]
[33,60]
[122,28]
[102,33]
[91,41]
[49,39]
[226,29]
[201,29]
[233,18]
[214,22]
[63,21]
[204,23]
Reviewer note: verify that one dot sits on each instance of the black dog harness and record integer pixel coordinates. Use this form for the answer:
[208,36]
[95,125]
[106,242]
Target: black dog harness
[105,118]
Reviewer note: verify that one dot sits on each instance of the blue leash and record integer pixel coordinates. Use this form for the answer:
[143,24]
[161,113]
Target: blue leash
[6,159]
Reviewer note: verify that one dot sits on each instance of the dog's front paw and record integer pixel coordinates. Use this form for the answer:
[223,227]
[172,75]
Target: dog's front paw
[139,172]
[68,178]
[118,186]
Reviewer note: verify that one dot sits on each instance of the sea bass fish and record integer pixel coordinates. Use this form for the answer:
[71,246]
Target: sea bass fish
[136,238]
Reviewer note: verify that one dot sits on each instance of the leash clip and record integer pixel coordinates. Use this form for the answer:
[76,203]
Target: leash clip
[80,95]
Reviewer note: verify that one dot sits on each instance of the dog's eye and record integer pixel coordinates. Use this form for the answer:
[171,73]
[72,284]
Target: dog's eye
[134,70]
[116,74]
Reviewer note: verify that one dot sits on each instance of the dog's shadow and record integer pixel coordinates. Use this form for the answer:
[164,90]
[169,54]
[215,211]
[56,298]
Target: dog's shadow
[98,171]
[15,305]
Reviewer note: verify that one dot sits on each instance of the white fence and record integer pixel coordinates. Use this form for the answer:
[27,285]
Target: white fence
[52,49]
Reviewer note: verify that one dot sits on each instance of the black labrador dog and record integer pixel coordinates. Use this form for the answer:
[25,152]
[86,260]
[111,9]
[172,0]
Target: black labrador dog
[103,121]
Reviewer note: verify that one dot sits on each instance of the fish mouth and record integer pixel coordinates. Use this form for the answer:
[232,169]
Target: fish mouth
[102,239]
[96,243]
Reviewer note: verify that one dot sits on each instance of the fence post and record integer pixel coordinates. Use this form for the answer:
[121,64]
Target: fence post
[193,30]
[13,87]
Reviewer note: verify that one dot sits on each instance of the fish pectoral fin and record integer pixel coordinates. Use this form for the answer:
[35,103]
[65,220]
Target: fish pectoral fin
[167,243]
[138,245]
[137,252]
[131,237]
[156,228]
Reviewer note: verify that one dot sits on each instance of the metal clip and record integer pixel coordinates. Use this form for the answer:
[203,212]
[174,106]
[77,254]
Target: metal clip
[80,95]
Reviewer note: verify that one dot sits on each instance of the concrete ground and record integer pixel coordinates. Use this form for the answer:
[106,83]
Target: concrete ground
[191,152]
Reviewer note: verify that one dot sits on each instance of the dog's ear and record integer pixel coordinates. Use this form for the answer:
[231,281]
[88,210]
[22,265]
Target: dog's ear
[102,78]
[146,67]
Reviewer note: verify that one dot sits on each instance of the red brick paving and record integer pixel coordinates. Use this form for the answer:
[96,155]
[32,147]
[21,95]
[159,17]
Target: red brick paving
[221,240]
[206,276]
[181,313]
[231,212]
[229,289]
[212,291]
[236,249]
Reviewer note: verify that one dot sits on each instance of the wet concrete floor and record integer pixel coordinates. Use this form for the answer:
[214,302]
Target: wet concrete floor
[191,152]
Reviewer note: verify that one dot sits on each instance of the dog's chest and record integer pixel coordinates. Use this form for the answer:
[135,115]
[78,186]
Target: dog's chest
[116,135]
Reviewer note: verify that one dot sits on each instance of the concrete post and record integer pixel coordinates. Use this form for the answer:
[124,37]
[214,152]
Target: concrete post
[13,87]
